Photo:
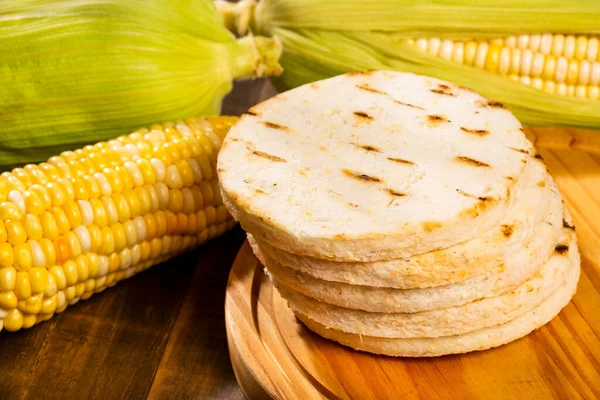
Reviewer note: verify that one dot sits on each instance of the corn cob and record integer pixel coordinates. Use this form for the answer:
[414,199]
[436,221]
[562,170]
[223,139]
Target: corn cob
[84,220]
[77,72]
[544,78]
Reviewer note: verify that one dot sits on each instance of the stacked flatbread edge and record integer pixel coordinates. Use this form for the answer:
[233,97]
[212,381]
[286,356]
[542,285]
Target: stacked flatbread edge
[402,215]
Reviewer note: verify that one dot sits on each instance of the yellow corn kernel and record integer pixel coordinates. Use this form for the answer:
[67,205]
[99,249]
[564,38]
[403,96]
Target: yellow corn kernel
[10,211]
[23,285]
[126,177]
[8,279]
[150,224]
[13,320]
[122,207]
[79,189]
[114,262]
[49,251]
[31,305]
[192,222]
[51,288]
[69,293]
[95,234]
[56,193]
[33,227]
[492,58]
[7,258]
[161,223]
[74,245]
[62,222]
[22,257]
[15,232]
[143,199]
[175,200]
[133,202]
[113,178]
[108,241]
[103,184]
[49,225]
[145,250]
[49,305]
[201,220]
[153,196]
[162,191]
[155,248]
[112,214]
[100,216]
[70,272]
[119,237]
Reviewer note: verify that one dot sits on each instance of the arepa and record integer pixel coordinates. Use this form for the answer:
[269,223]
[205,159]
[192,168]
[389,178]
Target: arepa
[372,166]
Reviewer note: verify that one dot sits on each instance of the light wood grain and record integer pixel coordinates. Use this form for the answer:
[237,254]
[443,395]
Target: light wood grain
[275,355]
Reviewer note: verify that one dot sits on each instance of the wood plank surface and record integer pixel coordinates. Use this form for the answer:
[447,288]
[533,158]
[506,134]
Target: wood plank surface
[160,334]
[273,354]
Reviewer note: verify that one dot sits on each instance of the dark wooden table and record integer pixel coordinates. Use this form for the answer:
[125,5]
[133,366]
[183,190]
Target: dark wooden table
[160,334]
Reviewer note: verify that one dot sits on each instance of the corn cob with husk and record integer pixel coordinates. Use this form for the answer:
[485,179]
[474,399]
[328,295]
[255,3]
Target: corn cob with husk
[84,220]
[538,57]
[77,72]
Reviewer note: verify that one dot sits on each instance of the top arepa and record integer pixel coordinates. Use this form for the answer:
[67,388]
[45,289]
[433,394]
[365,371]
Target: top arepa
[372,166]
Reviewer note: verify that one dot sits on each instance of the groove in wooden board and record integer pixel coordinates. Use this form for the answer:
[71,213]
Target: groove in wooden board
[560,360]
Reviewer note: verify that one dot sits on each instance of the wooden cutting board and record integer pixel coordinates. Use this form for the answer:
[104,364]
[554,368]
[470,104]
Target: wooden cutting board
[274,355]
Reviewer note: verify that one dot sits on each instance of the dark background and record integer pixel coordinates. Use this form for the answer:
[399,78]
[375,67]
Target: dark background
[159,334]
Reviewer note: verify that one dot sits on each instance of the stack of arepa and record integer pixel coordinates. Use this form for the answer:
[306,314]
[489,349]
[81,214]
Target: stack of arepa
[400,214]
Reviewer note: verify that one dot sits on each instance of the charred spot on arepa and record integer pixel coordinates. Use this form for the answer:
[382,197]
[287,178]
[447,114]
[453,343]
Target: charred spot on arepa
[260,191]
[482,198]
[510,178]
[442,89]
[408,104]
[480,206]
[395,193]
[361,176]
[352,205]
[524,151]
[430,226]
[561,249]
[541,184]
[268,156]
[435,120]
[368,88]
[477,132]
[400,161]
[367,147]
[539,156]
[490,103]
[507,230]
[273,125]
[362,116]
[471,161]
[251,113]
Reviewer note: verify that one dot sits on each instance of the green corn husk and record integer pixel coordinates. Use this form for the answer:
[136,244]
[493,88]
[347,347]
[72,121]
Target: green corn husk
[326,38]
[74,72]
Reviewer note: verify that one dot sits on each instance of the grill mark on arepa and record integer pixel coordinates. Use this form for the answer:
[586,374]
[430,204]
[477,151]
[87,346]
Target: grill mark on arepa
[400,161]
[362,116]
[482,198]
[471,161]
[541,184]
[368,88]
[435,120]
[507,230]
[478,132]
[520,150]
[395,193]
[407,104]
[442,89]
[273,125]
[268,156]
[561,249]
[366,147]
[260,191]
[490,103]
[510,178]
[249,112]
[360,176]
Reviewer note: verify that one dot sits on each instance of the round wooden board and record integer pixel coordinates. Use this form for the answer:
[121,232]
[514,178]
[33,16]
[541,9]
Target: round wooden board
[274,355]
